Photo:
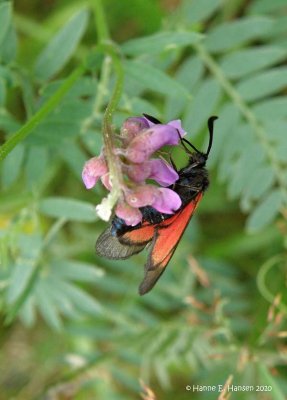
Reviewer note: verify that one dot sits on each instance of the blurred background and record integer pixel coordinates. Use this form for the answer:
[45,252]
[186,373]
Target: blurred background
[73,325]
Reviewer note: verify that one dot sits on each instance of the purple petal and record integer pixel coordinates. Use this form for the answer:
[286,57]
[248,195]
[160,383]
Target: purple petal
[162,199]
[141,196]
[138,172]
[177,125]
[132,127]
[167,201]
[93,170]
[131,216]
[151,140]
[106,181]
[162,172]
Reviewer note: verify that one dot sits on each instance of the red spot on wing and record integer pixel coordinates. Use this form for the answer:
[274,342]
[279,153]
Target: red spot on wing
[169,235]
[141,235]
[166,239]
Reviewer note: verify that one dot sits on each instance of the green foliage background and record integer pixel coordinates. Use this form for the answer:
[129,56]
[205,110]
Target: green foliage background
[73,325]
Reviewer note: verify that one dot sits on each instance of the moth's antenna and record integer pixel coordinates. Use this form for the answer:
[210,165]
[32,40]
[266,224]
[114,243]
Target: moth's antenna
[210,125]
[191,145]
[183,141]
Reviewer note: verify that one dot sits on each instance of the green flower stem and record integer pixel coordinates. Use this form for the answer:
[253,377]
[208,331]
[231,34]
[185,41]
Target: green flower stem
[102,91]
[100,19]
[109,48]
[247,113]
[53,101]
[115,172]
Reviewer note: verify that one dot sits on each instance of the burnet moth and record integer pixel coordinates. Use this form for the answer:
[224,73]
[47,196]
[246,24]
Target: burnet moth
[160,232]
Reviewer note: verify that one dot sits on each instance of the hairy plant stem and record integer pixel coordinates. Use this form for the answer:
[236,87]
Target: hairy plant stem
[100,21]
[115,172]
[102,91]
[104,44]
[110,48]
[247,114]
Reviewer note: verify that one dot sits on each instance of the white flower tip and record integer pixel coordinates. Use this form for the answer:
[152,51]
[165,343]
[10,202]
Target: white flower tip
[104,210]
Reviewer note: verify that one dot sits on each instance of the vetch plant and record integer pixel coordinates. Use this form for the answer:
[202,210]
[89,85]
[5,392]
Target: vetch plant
[58,75]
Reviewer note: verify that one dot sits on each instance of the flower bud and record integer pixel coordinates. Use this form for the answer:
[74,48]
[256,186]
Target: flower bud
[132,127]
[93,170]
[132,216]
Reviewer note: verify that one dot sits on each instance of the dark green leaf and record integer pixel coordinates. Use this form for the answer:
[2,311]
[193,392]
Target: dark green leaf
[36,165]
[138,106]
[76,270]
[189,75]
[74,157]
[61,47]
[20,278]
[197,11]
[263,84]
[150,78]
[2,92]
[265,212]
[248,161]
[160,42]
[231,34]
[266,6]
[12,166]
[74,210]
[271,109]
[202,106]
[5,20]
[224,127]
[47,307]
[8,49]
[243,62]
[261,180]
[82,300]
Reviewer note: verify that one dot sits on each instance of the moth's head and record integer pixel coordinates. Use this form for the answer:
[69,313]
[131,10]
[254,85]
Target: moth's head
[197,159]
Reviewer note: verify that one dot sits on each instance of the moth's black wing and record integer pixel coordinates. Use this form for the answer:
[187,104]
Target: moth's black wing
[120,241]
[109,246]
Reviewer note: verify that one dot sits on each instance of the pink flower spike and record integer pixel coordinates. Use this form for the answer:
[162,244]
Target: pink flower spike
[131,216]
[132,127]
[162,172]
[167,201]
[93,170]
[151,140]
